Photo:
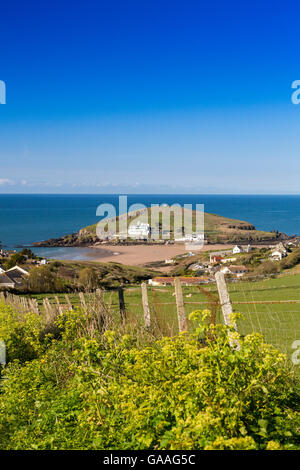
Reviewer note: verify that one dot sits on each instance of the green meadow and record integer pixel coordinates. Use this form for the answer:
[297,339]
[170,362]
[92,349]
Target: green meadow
[269,306]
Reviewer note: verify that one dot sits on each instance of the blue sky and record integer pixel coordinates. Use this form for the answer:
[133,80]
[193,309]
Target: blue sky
[160,96]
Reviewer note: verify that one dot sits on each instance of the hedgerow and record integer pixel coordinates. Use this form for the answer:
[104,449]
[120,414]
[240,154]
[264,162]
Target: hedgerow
[106,391]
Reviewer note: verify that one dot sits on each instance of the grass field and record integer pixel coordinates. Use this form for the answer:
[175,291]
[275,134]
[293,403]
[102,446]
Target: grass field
[270,307]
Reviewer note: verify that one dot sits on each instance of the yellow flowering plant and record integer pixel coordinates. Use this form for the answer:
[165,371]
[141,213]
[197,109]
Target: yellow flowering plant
[110,392]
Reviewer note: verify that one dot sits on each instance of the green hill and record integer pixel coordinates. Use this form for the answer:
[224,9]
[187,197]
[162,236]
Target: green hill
[217,229]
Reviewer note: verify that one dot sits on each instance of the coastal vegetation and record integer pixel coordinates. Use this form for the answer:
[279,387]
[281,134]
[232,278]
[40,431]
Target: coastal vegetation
[73,276]
[19,258]
[87,385]
[217,229]
[85,372]
[270,306]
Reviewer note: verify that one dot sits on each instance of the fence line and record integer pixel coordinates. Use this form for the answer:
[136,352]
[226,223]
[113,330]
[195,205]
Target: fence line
[146,308]
[25,304]
[226,307]
[279,324]
[182,323]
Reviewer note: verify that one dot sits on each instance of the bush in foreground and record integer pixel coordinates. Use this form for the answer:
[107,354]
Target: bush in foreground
[192,391]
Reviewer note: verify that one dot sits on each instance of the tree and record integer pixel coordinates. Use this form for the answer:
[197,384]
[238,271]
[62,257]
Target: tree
[28,253]
[41,279]
[268,267]
[17,258]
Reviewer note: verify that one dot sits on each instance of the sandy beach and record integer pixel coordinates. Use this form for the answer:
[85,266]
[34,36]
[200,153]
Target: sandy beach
[139,255]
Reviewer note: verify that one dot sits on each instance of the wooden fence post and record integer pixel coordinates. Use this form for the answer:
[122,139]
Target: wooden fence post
[146,308]
[122,303]
[182,324]
[58,305]
[45,307]
[34,305]
[82,301]
[226,305]
[98,293]
[100,301]
[70,306]
[48,309]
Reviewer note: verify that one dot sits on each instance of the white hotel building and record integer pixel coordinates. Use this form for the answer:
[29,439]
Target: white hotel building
[139,231]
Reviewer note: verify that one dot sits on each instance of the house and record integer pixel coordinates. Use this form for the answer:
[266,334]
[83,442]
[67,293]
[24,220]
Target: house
[223,253]
[238,270]
[17,275]
[280,247]
[7,253]
[6,282]
[228,260]
[191,238]
[196,266]
[235,270]
[161,281]
[279,252]
[276,255]
[13,277]
[139,230]
[216,259]
[225,270]
[237,249]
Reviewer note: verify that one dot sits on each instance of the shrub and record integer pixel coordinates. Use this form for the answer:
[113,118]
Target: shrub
[177,393]
[20,334]
[268,267]
[291,260]
[88,279]
[42,279]
[17,258]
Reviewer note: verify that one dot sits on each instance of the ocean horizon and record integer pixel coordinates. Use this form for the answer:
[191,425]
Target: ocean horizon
[29,218]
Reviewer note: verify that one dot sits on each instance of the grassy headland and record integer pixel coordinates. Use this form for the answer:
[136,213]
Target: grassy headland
[217,229]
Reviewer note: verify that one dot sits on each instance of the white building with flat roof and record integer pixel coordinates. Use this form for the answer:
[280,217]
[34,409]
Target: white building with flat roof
[139,230]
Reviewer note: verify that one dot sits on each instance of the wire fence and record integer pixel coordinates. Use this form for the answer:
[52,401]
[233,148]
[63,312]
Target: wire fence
[269,306]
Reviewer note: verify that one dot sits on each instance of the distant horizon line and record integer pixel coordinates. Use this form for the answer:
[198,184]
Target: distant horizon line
[149,194]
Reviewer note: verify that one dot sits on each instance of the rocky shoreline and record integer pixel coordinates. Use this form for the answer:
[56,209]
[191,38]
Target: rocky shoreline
[218,229]
[72,240]
[76,240]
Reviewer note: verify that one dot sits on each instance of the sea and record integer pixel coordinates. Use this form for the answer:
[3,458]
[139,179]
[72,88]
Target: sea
[25,219]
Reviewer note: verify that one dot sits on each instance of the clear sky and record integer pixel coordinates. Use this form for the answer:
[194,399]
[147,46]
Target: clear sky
[157,96]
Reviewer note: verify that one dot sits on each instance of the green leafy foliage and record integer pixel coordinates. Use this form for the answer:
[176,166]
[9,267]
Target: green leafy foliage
[88,279]
[105,391]
[19,258]
[42,279]
[20,334]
